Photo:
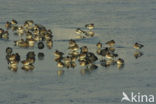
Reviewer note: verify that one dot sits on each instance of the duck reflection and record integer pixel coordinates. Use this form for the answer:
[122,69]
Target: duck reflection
[60,72]
[40,56]
[120,66]
[88,69]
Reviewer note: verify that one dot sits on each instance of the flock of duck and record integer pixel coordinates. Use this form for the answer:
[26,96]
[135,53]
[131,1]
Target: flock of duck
[30,34]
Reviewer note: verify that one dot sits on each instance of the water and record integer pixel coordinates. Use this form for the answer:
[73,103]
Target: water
[125,21]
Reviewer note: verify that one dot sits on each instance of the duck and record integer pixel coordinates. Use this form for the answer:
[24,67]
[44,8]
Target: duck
[74,48]
[83,63]
[48,36]
[28,67]
[58,54]
[14,28]
[79,31]
[138,54]
[60,64]
[104,51]
[29,61]
[7,25]
[30,54]
[110,43]
[15,57]
[29,35]
[98,51]
[90,26]
[99,45]
[120,61]
[5,35]
[72,43]
[21,43]
[1,31]
[91,57]
[82,56]
[49,44]
[138,46]
[73,64]
[67,59]
[80,37]
[13,66]
[84,49]
[31,42]
[20,31]
[14,22]
[90,33]
[74,53]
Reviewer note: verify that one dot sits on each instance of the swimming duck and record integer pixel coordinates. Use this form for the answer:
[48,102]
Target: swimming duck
[7,25]
[21,43]
[74,48]
[13,57]
[28,61]
[14,28]
[84,49]
[29,35]
[5,35]
[90,26]
[91,57]
[138,54]
[20,31]
[83,63]
[99,45]
[138,46]
[90,33]
[28,67]
[120,61]
[104,51]
[110,43]
[13,66]
[30,54]
[13,22]
[67,59]
[31,42]
[58,54]
[98,51]
[111,55]
[73,64]
[49,44]
[72,43]
[60,64]
[73,53]
[1,31]
[82,56]
[79,31]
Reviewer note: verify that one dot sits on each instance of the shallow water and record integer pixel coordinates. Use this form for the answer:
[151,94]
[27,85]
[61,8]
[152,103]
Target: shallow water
[125,21]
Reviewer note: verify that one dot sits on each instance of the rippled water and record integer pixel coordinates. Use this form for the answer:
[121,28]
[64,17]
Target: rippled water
[125,21]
